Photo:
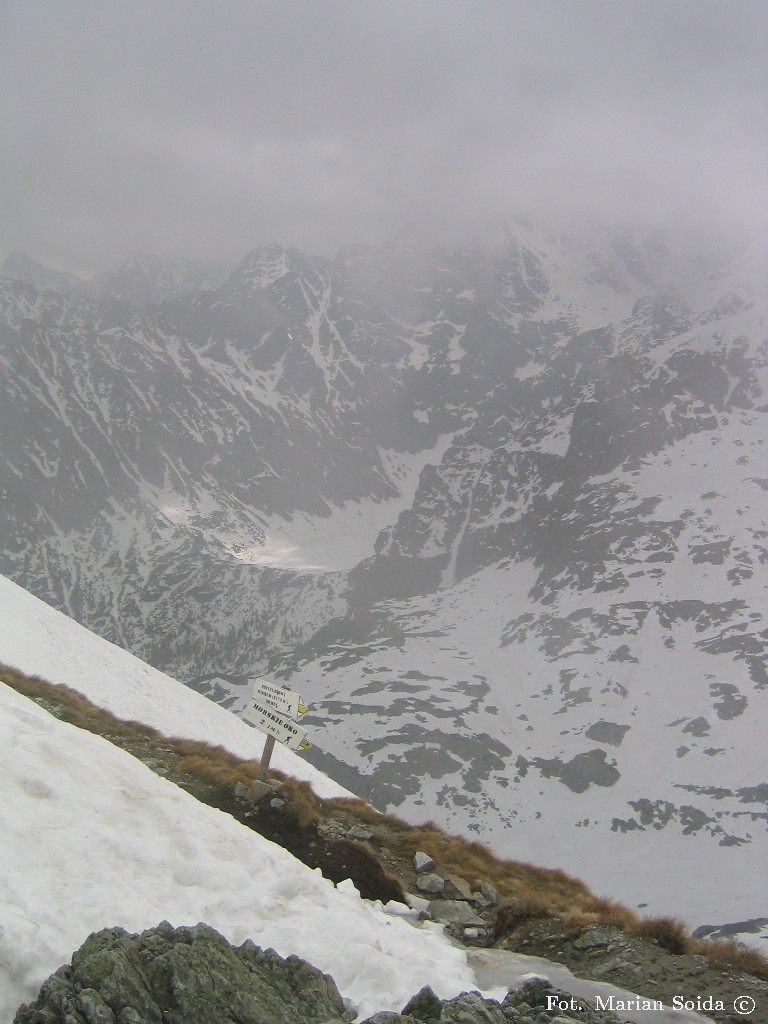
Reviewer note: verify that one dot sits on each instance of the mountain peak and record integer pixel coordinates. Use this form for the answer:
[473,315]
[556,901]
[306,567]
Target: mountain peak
[264,265]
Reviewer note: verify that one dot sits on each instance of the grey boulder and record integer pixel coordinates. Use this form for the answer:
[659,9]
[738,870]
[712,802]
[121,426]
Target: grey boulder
[430,883]
[184,975]
[422,862]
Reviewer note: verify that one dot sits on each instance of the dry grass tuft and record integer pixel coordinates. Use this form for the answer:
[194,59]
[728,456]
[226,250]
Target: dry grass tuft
[575,921]
[609,912]
[729,953]
[302,801]
[511,915]
[365,813]
[669,932]
[219,770]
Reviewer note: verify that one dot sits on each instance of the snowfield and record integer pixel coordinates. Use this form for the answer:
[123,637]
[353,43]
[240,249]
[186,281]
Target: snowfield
[92,839]
[41,641]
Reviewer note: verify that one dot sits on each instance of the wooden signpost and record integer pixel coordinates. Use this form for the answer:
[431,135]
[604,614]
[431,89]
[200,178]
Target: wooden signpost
[270,710]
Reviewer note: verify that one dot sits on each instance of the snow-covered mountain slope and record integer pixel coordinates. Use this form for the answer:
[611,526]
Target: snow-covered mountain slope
[564,757]
[42,641]
[93,839]
[547,624]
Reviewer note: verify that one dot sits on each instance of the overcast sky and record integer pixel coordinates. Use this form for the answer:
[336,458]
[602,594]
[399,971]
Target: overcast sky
[207,128]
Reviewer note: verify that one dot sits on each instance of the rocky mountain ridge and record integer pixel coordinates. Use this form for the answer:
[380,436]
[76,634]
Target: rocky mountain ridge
[557,639]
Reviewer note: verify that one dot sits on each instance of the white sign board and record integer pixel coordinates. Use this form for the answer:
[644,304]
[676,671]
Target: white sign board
[266,719]
[286,702]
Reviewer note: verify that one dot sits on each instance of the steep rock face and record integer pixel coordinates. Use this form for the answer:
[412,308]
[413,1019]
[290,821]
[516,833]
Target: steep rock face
[155,444]
[184,974]
[622,533]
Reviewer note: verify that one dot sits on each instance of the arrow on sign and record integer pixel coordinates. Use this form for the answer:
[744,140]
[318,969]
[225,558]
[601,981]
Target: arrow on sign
[266,719]
[286,702]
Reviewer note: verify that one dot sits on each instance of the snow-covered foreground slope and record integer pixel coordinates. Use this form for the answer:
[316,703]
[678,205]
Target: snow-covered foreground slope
[92,839]
[41,641]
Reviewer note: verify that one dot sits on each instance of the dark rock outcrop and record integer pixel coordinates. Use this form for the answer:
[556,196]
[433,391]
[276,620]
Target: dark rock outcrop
[172,975]
[193,975]
[536,1002]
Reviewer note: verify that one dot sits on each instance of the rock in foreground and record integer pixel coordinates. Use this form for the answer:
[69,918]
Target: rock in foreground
[537,1002]
[194,976]
[181,976]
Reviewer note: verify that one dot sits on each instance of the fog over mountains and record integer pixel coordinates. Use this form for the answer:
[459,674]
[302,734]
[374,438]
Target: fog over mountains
[497,508]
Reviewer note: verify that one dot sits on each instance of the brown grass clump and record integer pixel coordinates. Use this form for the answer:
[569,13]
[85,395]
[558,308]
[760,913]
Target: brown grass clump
[219,770]
[729,953]
[609,912]
[600,911]
[213,764]
[575,921]
[302,800]
[511,915]
[364,812]
[668,932]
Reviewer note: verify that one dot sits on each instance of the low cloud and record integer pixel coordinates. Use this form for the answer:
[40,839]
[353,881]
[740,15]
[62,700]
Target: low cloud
[207,129]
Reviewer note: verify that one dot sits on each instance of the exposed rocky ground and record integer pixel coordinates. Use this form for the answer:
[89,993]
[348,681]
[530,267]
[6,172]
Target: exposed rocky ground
[189,975]
[642,966]
[343,846]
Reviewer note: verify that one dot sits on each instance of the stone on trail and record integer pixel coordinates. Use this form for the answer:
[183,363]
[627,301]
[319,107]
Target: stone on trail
[360,833]
[487,891]
[454,912]
[461,886]
[430,883]
[422,862]
[594,937]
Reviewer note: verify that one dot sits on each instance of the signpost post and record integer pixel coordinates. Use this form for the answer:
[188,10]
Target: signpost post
[266,757]
[270,710]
